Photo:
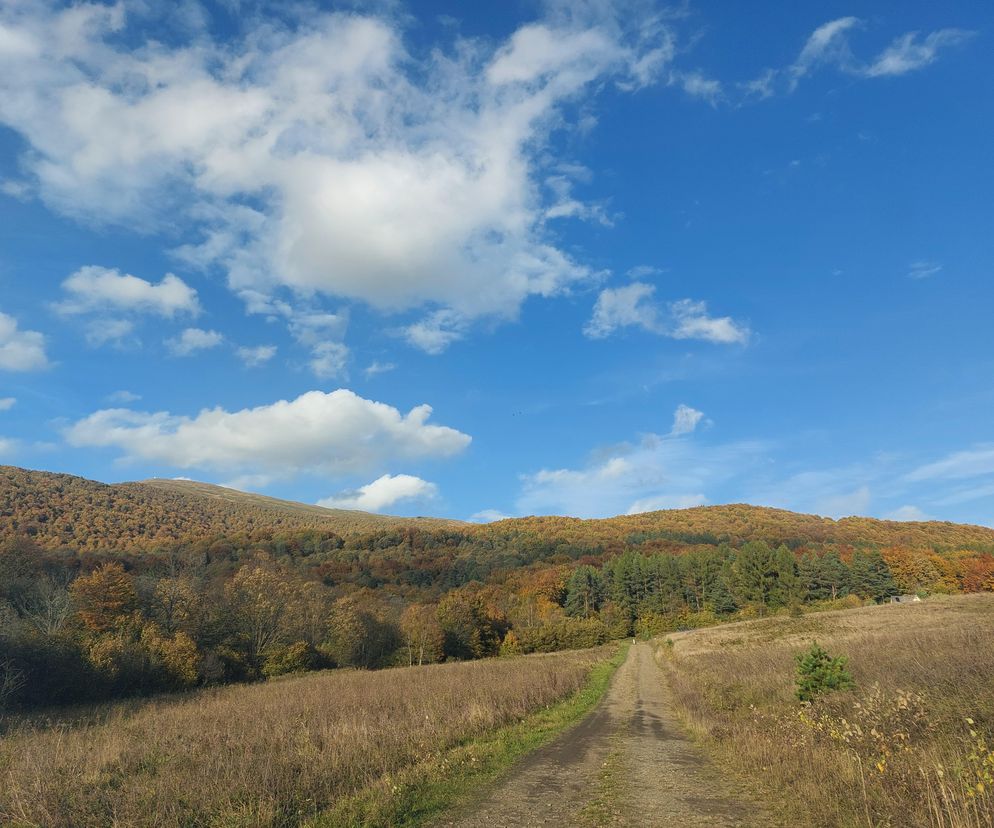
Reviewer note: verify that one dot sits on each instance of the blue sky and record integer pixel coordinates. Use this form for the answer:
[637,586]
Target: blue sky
[500,259]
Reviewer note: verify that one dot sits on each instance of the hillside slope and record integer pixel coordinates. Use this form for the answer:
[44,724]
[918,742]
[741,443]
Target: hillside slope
[735,523]
[63,510]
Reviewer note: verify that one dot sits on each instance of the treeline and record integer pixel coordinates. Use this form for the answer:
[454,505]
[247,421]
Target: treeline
[658,592]
[78,627]
[68,634]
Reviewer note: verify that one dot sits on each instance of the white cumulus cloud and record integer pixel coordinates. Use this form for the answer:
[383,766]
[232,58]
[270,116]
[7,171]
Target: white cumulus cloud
[254,356]
[333,433]
[7,403]
[20,350]
[321,157]
[691,321]
[382,493]
[622,307]
[100,289]
[192,340]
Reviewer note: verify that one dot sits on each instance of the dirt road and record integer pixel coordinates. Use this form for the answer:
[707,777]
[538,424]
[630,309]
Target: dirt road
[628,763]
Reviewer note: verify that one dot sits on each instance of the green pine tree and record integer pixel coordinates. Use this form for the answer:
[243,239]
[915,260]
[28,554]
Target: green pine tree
[584,592]
[818,673]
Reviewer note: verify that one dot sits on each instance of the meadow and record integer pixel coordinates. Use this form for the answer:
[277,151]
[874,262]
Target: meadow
[286,752]
[911,745]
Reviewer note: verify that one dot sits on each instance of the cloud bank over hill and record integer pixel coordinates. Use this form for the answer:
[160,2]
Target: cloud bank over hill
[334,433]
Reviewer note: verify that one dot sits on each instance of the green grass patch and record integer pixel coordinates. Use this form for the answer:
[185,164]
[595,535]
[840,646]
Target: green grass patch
[416,794]
[604,807]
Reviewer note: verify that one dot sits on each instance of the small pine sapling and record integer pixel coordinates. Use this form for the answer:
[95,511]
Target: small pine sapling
[818,672]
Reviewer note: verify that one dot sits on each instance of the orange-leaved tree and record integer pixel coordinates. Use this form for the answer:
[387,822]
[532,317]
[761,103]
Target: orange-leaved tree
[104,597]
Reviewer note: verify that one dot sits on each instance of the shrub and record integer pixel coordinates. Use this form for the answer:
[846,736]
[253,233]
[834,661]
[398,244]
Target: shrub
[818,672]
[298,657]
[567,634]
[511,645]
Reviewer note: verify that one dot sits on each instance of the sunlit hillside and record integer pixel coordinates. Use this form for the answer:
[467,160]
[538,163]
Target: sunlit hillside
[64,510]
[736,523]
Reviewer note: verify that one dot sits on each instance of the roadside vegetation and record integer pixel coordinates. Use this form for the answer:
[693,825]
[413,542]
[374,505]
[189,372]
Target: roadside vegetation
[335,748]
[869,717]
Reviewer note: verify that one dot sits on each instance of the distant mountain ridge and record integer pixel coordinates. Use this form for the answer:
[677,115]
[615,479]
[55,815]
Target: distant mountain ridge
[739,522]
[61,510]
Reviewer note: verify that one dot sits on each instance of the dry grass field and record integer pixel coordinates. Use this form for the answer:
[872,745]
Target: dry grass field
[911,745]
[275,754]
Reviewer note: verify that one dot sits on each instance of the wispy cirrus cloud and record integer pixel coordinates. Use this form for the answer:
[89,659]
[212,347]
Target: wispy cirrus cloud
[124,397]
[829,46]
[923,269]
[118,332]
[973,462]
[377,367]
[911,52]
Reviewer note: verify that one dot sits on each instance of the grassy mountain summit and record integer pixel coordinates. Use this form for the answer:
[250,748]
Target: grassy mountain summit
[64,510]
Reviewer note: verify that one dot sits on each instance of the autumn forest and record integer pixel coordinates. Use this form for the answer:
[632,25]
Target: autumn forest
[116,591]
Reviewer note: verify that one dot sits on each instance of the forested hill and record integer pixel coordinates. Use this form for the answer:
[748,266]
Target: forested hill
[60,510]
[738,523]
